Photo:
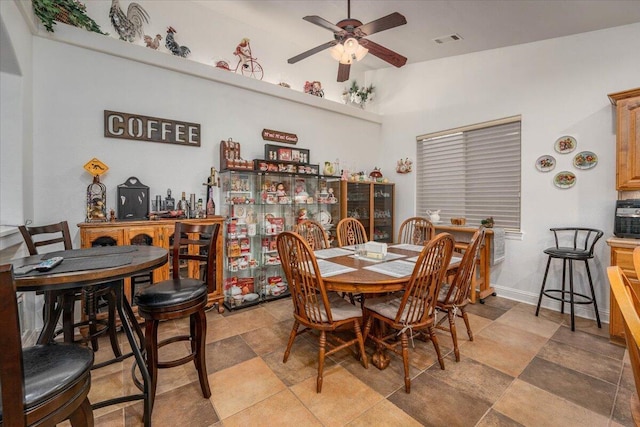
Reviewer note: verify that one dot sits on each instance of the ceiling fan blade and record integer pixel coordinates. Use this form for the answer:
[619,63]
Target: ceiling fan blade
[310,52]
[321,22]
[390,21]
[343,72]
[383,53]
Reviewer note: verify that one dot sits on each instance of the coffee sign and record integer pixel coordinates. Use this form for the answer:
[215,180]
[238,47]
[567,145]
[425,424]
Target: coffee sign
[277,136]
[153,129]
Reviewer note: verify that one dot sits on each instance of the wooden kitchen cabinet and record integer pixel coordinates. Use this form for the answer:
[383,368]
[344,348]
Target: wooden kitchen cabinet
[627,105]
[622,256]
[153,233]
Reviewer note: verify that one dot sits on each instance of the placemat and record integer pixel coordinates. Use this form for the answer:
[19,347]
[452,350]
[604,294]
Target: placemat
[91,252]
[84,263]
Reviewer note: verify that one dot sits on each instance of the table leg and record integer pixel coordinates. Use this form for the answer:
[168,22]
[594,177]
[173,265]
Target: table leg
[129,324]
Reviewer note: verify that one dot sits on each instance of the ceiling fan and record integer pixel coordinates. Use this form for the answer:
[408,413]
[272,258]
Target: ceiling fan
[350,44]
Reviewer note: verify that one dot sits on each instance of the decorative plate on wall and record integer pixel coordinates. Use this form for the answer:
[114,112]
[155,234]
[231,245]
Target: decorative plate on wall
[564,179]
[545,163]
[565,144]
[585,160]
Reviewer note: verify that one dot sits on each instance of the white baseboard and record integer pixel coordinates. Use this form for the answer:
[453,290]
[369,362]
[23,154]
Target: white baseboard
[581,310]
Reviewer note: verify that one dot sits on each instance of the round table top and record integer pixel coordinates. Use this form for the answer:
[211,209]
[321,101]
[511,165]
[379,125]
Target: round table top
[363,280]
[144,259]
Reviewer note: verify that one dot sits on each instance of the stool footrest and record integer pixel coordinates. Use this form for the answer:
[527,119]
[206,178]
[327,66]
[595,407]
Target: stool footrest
[585,298]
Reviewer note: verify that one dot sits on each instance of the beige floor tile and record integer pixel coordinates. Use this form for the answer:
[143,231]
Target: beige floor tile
[282,409]
[384,413]
[532,406]
[526,320]
[503,347]
[241,386]
[343,397]
[269,338]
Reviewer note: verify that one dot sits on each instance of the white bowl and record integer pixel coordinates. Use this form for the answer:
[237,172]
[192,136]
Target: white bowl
[251,297]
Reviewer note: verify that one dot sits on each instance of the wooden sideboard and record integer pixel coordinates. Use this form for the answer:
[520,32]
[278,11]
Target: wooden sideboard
[154,233]
[482,283]
[622,256]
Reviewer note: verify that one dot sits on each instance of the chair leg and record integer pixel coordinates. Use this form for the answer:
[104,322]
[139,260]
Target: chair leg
[436,345]
[363,355]
[593,294]
[564,271]
[571,296]
[151,348]
[68,306]
[200,340]
[454,333]
[544,281]
[321,352]
[111,324]
[405,361]
[292,336]
[91,310]
[466,323]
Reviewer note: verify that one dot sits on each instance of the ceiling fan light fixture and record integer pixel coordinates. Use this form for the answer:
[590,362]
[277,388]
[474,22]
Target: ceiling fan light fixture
[361,52]
[351,45]
[347,58]
[337,51]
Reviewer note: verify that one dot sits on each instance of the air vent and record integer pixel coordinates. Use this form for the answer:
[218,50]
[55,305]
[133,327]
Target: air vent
[447,39]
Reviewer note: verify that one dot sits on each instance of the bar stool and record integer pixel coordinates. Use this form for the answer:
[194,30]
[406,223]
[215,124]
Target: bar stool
[178,298]
[581,242]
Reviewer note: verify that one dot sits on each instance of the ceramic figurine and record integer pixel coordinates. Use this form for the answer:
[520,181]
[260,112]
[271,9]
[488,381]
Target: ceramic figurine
[153,43]
[173,46]
[130,25]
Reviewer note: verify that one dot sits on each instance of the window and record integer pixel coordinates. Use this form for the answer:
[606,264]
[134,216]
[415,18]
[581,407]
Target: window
[471,172]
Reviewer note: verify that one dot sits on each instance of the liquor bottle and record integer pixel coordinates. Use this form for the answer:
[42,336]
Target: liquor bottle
[211,205]
[182,204]
[169,202]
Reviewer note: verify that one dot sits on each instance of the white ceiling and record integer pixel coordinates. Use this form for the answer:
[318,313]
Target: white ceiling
[483,24]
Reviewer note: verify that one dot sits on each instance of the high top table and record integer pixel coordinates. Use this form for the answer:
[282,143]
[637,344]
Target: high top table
[99,265]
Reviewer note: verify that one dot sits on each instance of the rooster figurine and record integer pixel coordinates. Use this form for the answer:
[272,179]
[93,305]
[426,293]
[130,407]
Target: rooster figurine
[173,46]
[153,43]
[130,25]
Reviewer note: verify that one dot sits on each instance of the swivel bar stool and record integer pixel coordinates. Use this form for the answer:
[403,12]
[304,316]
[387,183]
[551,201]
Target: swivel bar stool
[581,242]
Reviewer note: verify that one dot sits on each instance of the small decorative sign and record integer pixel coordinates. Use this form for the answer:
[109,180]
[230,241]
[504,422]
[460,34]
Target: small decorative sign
[277,136]
[153,129]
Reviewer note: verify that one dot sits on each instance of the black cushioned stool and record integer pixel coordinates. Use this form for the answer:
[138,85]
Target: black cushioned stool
[581,242]
[179,297]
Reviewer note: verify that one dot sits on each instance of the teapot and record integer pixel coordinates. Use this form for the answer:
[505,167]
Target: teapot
[434,216]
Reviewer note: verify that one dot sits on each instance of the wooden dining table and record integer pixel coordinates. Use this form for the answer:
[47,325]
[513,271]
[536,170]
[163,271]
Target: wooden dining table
[343,271]
[92,266]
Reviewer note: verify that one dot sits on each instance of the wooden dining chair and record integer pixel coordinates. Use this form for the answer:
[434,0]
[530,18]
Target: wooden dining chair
[454,294]
[313,233]
[62,303]
[350,231]
[313,308]
[41,385]
[416,231]
[414,311]
[629,305]
[181,297]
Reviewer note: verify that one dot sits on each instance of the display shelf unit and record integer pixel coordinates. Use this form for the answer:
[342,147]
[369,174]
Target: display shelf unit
[258,206]
[371,203]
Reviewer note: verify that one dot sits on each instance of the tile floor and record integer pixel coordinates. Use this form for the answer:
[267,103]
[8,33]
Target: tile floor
[520,370]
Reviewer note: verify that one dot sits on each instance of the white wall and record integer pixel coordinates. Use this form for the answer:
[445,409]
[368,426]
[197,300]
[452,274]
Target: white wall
[72,87]
[559,87]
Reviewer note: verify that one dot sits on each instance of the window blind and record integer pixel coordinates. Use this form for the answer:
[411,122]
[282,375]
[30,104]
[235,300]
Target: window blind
[472,173]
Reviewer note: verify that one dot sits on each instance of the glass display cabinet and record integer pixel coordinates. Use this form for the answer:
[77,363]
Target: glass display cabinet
[258,206]
[371,203]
